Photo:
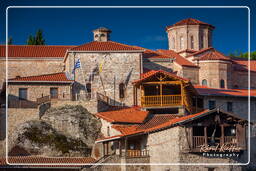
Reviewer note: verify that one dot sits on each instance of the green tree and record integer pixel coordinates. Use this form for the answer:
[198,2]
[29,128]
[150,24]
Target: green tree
[244,55]
[31,40]
[10,40]
[37,39]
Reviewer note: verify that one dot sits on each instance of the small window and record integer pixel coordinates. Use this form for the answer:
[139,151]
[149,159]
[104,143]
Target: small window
[202,41]
[192,42]
[212,104]
[204,82]
[173,43]
[222,84]
[230,106]
[23,93]
[54,93]
[121,90]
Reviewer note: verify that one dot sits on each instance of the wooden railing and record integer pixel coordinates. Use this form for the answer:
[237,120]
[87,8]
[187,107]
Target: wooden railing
[198,141]
[137,153]
[230,140]
[163,100]
[22,104]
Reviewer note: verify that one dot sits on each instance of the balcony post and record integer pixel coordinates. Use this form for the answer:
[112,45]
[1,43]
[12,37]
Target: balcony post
[222,140]
[161,94]
[205,135]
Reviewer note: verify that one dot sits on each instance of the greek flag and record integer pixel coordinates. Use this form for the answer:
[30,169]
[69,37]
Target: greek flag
[77,65]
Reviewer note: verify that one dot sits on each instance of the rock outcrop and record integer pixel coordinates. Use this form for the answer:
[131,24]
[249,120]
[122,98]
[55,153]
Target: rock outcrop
[62,131]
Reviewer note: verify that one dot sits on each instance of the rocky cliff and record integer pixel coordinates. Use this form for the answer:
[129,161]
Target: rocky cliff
[62,131]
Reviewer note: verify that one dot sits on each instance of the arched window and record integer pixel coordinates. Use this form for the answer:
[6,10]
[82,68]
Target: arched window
[202,41]
[222,83]
[191,42]
[204,82]
[121,90]
[181,42]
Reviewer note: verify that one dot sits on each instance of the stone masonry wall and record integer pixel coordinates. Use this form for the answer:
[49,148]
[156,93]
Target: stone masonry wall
[28,67]
[213,72]
[117,68]
[240,105]
[18,116]
[35,91]
[166,66]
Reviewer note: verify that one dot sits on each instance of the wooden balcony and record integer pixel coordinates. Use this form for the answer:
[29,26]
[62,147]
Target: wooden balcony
[137,153]
[161,101]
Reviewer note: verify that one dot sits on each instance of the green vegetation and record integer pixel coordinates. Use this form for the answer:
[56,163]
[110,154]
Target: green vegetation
[10,40]
[37,39]
[244,55]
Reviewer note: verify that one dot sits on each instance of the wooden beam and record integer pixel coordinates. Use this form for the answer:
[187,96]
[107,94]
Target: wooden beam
[163,82]
[222,134]
[205,135]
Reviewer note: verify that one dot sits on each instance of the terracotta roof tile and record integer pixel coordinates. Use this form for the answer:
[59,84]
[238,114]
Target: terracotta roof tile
[126,115]
[213,55]
[203,90]
[243,64]
[55,77]
[151,73]
[105,46]
[156,123]
[189,21]
[178,59]
[52,161]
[36,51]
[201,51]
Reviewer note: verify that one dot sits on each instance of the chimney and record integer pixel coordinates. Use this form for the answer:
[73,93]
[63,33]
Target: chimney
[101,34]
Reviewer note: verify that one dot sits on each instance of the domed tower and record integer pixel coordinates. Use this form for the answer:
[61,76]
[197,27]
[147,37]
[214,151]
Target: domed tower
[189,34]
[101,34]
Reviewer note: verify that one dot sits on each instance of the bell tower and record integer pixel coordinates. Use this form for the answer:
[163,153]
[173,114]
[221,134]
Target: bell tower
[101,34]
[189,34]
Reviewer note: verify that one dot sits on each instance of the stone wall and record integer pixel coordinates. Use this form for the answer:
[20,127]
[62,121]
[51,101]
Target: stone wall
[191,73]
[202,37]
[116,68]
[240,79]
[28,67]
[17,117]
[240,105]
[38,90]
[155,65]
[137,160]
[213,72]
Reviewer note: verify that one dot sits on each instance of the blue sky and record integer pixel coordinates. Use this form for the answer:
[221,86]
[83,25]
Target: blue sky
[141,27]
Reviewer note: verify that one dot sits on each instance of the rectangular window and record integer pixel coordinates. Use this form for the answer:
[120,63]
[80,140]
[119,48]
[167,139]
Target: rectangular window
[54,93]
[229,106]
[23,93]
[212,104]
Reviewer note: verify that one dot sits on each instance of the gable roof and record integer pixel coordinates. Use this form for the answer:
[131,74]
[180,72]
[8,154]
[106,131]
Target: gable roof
[35,51]
[206,91]
[105,46]
[213,55]
[243,64]
[201,51]
[163,125]
[178,58]
[50,78]
[125,115]
[151,73]
[190,21]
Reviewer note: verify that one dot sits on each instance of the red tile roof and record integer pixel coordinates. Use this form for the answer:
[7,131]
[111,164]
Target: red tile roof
[203,90]
[151,73]
[187,50]
[156,123]
[55,77]
[105,46]
[52,161]
[36,51]
[201,51]
[190,21]
[213,55]
[126,115]
[243,64]
[178,59]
